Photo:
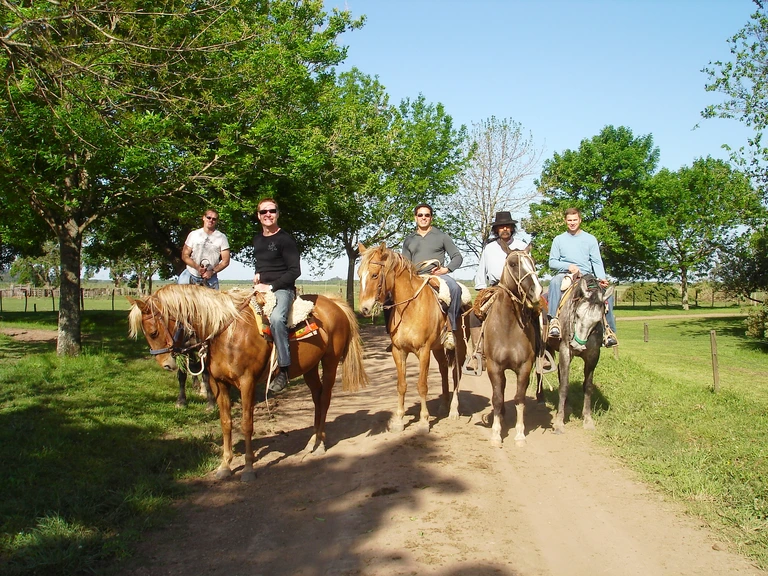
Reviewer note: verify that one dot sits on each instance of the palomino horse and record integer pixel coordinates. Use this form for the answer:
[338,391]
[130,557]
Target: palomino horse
[512,338]
[238,354]
[581,329]
[415,326]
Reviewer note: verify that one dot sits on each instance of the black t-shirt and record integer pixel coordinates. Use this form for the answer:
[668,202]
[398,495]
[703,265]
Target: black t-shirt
[277,259]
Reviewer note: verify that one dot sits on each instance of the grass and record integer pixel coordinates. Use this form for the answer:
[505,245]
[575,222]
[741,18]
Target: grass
[93,448]
[657,411]
[94,451]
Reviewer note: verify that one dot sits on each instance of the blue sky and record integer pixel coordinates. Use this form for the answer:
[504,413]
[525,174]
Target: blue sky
[563,69]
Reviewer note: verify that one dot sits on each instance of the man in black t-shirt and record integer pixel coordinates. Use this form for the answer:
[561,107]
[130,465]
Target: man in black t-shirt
[278,265]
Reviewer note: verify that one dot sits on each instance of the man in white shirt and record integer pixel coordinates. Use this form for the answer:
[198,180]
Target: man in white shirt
[206,253]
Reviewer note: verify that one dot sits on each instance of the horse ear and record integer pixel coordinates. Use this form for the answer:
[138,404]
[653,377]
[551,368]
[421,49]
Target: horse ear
[528,248]
[608,292]
[138,303]
[361,248]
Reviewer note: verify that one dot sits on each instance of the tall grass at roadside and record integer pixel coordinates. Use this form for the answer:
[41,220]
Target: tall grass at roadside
[657,411]
[92,448]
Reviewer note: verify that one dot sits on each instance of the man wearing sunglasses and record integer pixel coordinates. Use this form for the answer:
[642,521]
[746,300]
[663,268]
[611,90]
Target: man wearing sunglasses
[278,266]
[428,247]
[206,253]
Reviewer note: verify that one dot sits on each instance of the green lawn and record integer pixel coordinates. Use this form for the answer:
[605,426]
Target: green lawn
[94,450]
[657,411]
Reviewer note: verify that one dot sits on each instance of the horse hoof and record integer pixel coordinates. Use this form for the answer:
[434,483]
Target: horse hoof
[423,427]
[396,427]
[559,431]
[181,404]
[320,449]
[520,443]
[589,425]
[496,442]
[454,415]
[210,407]
[248,476]
[223,473]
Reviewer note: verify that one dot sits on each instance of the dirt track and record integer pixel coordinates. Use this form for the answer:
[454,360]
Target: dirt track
[446,503]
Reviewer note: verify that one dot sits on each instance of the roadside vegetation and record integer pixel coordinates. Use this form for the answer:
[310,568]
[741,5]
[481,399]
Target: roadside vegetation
[657,411]
[95,451]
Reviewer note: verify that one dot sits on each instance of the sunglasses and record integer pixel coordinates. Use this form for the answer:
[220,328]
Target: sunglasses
[424,215]
[268,211]
[211,218]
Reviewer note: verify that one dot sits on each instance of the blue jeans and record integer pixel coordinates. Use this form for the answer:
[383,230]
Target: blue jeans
[186,278]
[278,324]
[556,293]
[454,308]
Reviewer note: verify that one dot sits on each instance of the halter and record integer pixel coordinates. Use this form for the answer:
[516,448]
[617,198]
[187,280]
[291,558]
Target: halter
[519,281]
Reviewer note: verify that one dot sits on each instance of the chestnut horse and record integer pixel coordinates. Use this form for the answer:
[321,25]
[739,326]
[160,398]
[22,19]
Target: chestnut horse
[581,329]
[238,354]
[512,338]
[415,326]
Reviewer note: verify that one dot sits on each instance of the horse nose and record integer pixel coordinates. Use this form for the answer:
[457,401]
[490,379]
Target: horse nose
[365,310]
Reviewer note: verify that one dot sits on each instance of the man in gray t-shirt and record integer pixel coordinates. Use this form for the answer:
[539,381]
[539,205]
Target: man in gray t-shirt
[427,243]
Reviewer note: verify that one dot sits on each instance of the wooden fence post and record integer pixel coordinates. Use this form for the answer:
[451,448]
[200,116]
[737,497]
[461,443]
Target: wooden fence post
[715,371]
[645,332]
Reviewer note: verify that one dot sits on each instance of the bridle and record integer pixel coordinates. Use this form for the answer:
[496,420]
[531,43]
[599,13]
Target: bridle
[522,298]
[380,296]
[174,344]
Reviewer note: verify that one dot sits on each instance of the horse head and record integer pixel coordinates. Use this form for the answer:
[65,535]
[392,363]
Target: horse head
[588,310]
[145,316]
[373,276]
[519,276]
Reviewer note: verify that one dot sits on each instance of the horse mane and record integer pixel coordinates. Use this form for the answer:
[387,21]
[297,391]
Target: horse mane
[566,314]
[394,261]
[209,311]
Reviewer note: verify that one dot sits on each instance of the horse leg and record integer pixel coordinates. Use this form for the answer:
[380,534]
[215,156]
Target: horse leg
[498,386]
[458,362]
[396,422]
[423,388]
[221,392]
[523,378]
[181,401]
[590,363]
[206,386]
[563,375]
[247,390]
[445,398]
[321,396]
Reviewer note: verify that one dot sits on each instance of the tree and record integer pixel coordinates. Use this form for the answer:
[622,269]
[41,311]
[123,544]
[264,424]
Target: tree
[604,179]
[694,211]
[500,158]
[40,271]
[375,162]
[744,81]
[107,105]
[742,265]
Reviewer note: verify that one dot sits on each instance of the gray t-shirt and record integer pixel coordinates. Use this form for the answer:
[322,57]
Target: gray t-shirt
[434,245]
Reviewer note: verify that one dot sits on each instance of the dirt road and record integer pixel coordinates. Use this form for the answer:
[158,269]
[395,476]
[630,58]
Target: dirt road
[446,503]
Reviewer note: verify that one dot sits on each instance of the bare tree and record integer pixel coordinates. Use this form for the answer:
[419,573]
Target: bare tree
[502,157]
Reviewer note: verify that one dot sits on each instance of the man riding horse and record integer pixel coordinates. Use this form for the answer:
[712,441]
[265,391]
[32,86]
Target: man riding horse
[574,253]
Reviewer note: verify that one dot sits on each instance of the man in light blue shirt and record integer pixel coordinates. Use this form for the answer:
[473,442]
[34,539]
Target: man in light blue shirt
[575,252]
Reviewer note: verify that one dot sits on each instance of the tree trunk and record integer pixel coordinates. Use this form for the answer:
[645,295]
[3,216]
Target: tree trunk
[352,254]
[70,246]
[684,286]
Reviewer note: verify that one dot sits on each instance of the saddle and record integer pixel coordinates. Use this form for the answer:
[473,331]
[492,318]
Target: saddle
[301,323]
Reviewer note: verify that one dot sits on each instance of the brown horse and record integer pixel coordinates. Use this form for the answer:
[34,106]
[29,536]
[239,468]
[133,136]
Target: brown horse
[238,354]
[581,328]
[415,326]
[512,338]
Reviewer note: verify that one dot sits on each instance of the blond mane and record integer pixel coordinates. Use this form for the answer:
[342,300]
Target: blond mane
[208,311]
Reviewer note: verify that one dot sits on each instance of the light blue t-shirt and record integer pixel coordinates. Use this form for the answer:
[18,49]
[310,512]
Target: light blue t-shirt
[580,249]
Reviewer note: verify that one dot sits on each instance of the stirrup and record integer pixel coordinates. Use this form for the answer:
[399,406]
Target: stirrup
[540,365]
[477,371]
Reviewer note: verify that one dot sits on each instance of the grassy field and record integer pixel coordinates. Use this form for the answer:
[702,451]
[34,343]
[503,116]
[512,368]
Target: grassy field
[94,450]
[657,411]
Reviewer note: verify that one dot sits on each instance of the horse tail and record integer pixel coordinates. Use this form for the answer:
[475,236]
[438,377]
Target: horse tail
[353,376]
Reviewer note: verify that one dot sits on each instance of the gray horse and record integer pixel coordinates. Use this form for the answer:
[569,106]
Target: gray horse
[581,321]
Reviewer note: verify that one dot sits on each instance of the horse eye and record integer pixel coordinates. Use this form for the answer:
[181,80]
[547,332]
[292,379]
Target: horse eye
[153,334]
